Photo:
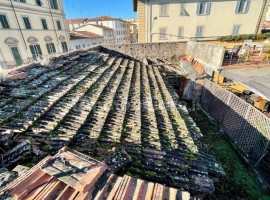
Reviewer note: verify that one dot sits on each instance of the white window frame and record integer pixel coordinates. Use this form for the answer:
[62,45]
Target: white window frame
[183,11]
[206,10]
[236,29]
[164,10]
[163,33]
[243,5]
[180,32]
[201,31]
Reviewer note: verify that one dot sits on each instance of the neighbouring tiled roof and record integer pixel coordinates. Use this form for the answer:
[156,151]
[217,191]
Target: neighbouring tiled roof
[97,102]
[102,27]
[72,175]
[74,36]
[101,18]
[89,34]
[76,21]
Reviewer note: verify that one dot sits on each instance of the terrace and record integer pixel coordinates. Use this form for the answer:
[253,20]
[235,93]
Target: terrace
[97,100]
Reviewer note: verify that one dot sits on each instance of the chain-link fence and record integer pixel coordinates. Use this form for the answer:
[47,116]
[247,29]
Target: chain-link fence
[246,126]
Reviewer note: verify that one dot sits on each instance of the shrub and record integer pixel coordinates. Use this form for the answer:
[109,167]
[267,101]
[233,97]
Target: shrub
[229,38]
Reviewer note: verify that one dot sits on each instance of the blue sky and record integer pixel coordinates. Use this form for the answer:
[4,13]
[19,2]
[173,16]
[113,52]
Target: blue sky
[95,8]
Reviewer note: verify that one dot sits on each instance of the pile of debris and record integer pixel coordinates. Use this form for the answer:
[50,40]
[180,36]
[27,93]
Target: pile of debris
[72,175]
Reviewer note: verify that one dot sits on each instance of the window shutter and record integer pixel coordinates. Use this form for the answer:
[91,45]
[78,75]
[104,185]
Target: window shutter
[54,50]
[39,50]
[166,6]
[48,48]
[198,8]
[237,7]
[208,8]
[247,6]
[32,49]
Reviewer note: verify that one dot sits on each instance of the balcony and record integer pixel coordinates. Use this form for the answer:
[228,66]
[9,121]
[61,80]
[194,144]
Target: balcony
[250,54]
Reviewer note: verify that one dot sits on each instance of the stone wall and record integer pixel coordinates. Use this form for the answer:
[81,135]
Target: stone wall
[209,55]
[165,51]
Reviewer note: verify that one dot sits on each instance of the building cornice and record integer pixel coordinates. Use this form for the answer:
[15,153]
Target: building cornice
[38,9]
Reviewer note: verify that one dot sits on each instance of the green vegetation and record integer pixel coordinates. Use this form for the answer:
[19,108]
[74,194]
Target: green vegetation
[238,183]
[229,38]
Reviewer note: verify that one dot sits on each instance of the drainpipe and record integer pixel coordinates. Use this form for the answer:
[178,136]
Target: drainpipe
[261,16]
[18,24]
[54,25]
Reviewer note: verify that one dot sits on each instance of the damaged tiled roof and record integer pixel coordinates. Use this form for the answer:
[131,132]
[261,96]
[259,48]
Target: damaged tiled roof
[97,102]
[72,175]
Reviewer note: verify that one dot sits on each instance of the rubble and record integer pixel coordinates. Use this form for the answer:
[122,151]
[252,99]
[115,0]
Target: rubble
[6,137]
[70,174]
[6,177]
[20,170]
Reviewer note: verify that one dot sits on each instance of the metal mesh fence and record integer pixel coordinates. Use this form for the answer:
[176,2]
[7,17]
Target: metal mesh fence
[247,126]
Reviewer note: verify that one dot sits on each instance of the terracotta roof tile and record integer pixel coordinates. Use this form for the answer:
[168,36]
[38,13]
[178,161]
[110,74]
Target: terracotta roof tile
[94,183]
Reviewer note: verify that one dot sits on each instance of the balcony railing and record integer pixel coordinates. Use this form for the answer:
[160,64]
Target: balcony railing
[13,64]
[246,56]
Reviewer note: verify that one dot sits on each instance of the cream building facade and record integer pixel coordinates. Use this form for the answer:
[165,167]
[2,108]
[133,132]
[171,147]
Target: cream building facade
[31,30]
[121,28]
[175,20]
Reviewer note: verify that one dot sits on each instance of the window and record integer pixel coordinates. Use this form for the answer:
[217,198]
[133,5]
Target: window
[16,55]
[3,21]
[59,27]
[242,6]
[27,22]
[180,32]
[36,51]
[22,1]
[203,8]
[38,2]
[183,11]
[44,24]
[51,48]
[235,29]
[64,47]
[54,4]
[199,31]
[163,12]
[162,33]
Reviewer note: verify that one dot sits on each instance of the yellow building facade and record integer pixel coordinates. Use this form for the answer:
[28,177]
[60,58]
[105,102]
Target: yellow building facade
[177,20]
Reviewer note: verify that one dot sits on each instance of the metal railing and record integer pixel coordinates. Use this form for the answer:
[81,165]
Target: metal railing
[244,124]
[12,64]
[245,56]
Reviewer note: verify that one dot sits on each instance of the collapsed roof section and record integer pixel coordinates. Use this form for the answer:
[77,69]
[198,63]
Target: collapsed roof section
[98,102]
[72,175]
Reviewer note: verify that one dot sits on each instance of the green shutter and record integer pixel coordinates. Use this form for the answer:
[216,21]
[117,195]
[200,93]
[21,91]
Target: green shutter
[54,50]
[23,1]
[59,25]
[55,4]
[27,22]
[39,50]
[16,55]
[38,2]
[4,22]
[32,49]
[64,47]
[44,24]
[48,48]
